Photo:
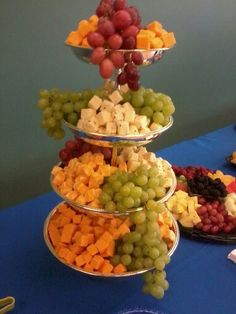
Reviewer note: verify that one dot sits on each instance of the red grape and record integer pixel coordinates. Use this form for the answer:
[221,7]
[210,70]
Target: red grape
[64,154]
[119,5]
[96,39]
[121,19]
[134,85]
[122,78]
[104,9]
[129,43]
[131,30]
[115,41]
[98,55]
[137,58]
[71,145]
[136,19]
[106,68]
[117,59]
[106,28]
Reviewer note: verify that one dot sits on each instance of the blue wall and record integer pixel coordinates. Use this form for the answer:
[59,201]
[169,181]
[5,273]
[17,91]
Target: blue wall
[199,74]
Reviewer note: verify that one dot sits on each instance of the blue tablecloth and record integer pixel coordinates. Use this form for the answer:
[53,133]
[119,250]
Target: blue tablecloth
[202,280]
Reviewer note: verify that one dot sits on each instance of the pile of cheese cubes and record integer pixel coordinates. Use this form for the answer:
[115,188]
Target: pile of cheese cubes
[111,117]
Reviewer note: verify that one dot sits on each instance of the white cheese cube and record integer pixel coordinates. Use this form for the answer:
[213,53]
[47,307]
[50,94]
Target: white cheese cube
[123,127]
[107,105]
[115,97]
[103,117]
[141,121]
[101,130]
[119,108]
[151,157]
[144,130]
[128,106]
[133,156]
[133,129]
[87,113]
[111,128]
[91,124]
[80,124]
[117,115]
[132,165]
[124,88]
[95,102]
[155,126]
[130,115]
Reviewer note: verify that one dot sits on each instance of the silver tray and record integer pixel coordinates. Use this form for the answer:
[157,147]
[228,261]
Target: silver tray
[90,209]
[149,56]
[97,274]
[117,140]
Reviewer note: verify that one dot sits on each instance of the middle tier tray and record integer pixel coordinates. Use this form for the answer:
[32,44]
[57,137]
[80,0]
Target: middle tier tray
[106,140]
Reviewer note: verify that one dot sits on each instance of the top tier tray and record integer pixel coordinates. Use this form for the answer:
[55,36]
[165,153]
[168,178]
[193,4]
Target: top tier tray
[149,56]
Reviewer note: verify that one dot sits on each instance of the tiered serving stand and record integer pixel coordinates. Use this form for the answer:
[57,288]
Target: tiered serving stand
[115,142]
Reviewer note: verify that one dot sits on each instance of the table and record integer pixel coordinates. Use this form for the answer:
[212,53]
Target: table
[202,280]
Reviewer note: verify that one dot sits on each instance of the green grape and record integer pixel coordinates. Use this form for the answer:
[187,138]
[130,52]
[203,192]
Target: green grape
[118,197]
[132,237]
[87,94]
[142,170]
[51,123]
[56,106]
[136,192]
[67,107]
[120,207]
[144,197]
[104,198]
[44,93]
[115,259]
[163,248]
[153,172]
[164,284]
[43,103]
[156,291]
[148,262]
[153,182]
[145,250]
[151,226]
[72,118]
[159,276]
[73,97]
[160,208]
[137,202]
[145,289]
[139,217]
[124,191]
[130,185]
[119,249]
[146,111]
[154,253]
[166,258]
[141,180]
[159,264]
[138,264]
[168,109]
[137,100]
[81,104]
[127,97]
[47,113]
[166,120]
[110,206]
[148,277]
[137,252]
[158,117]
[149,99]
[152,205]
[160,191]
[151,193]
[124,178]
[157,105]
[108,189]
[141,228]
[116,185]
[126,259]
[127,248]
[58,115]
[59,133]
[128,202]
[151,215]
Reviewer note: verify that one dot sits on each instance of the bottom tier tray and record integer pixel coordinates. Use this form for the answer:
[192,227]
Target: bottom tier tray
[174,228]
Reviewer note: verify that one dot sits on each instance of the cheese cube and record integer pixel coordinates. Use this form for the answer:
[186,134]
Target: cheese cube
[101,130]
[133,156]
[87,113]
[128,106]
[144,130]
[103,117]
[119,108]
[141,121]
[91,125]
[117,115]
[107,105]
[167,183]
[133,129]
[132,165]
[115,97]
[130,115]
[80,124]
[95,102]
[123,127]
[111,128]
[151,157]
[124,88]
[155,126]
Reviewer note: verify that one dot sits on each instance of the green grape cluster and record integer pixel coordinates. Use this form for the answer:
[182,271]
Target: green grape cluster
[57,106]
[144,248]
[157,107]
[123,191]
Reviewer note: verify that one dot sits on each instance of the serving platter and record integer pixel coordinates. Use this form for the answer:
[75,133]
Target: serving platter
[106,140]
[98,274]
[149,56]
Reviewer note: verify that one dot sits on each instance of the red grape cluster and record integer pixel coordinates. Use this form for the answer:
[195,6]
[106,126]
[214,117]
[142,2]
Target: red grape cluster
[118,26]
[214,217]
[77,147]
[190,172]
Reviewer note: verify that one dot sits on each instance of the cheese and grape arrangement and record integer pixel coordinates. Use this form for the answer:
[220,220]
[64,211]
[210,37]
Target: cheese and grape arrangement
[113,220]
[205,203]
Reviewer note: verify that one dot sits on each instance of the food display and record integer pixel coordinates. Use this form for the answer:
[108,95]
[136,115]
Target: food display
[204,203]
[106,245]
[113,221]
